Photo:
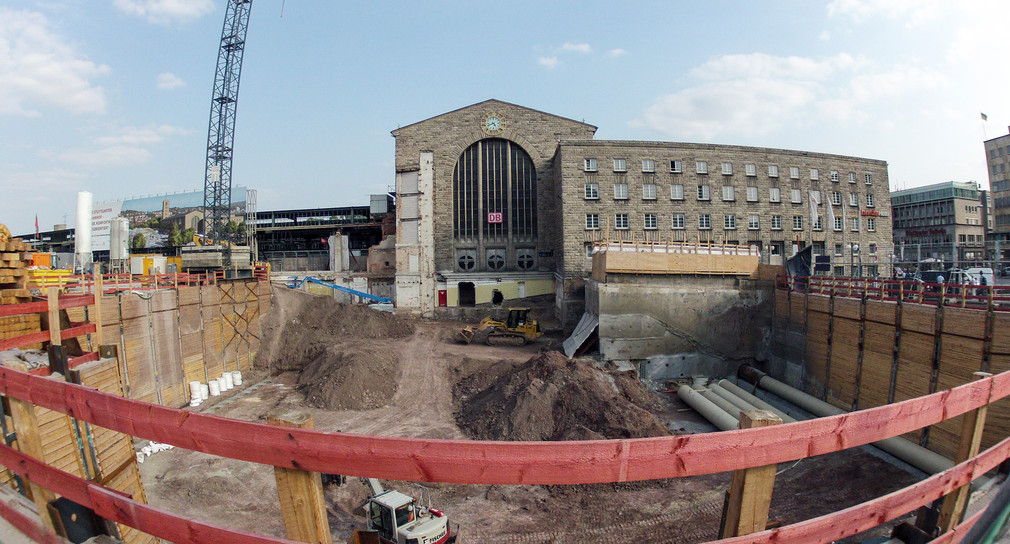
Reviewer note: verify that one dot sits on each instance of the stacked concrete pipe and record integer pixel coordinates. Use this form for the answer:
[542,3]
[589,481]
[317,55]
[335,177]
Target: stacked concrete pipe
[709,410]
[919,457]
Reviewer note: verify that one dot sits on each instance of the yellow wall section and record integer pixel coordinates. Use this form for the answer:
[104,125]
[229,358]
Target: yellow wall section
[509,290]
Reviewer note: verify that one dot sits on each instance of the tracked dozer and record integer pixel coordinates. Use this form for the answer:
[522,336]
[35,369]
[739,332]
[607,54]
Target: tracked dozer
[515,331]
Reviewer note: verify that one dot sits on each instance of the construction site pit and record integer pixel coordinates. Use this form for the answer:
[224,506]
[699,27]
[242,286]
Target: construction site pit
[359,370]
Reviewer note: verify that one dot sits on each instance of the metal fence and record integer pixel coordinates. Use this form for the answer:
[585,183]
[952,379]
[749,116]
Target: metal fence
[297,261]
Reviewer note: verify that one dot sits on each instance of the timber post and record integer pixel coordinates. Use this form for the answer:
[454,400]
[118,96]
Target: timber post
[301,493]
[750,494]
[29,441]
[972,425]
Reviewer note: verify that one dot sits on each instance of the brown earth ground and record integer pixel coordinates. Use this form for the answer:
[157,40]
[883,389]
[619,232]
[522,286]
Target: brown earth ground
[347,350]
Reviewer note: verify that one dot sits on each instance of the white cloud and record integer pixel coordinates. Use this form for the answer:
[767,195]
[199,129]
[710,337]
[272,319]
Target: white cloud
[583,48]
[129,145]
[116,155]
[761,65]
[983,30]
[38,67]
[896,82]
[549,62]
[756,94]
[913,12]
[825,36]
[751,107]
[164,12]
[169,81]
[141,135]
[614,53]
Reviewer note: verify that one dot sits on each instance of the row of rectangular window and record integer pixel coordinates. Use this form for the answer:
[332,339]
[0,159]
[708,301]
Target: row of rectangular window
[592,192]
[701,167]
[993,150]
[650,221]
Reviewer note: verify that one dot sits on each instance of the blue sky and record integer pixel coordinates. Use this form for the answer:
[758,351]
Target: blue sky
[113,97]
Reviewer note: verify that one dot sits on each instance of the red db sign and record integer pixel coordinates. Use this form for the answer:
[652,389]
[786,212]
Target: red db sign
[494,217]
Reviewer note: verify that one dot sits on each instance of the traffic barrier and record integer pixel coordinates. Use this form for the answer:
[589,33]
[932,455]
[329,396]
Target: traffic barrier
[121,508]
[491,462]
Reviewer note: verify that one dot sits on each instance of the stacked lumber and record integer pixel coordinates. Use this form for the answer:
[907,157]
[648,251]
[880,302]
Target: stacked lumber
[15,257]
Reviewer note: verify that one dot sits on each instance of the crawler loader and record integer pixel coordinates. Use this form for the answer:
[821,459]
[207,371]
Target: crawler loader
[516,330]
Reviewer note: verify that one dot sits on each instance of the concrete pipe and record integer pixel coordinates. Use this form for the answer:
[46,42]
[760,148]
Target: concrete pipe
[722,403]
[715,415]
[733,399]
[919,457]
[743,394]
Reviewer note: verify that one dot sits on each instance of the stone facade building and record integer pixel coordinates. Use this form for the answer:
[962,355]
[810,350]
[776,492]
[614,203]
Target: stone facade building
[997,154]
[942,221]
[498,201]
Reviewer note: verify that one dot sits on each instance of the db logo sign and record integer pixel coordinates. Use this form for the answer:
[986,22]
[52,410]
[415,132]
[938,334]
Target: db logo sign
[494,217]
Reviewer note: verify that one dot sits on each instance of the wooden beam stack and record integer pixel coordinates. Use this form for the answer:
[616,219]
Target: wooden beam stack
[15,258]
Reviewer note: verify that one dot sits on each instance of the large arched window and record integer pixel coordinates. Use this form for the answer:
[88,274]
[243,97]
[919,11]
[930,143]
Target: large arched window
[495,207]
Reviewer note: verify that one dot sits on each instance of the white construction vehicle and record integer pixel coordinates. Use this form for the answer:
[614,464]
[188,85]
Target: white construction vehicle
[399,519]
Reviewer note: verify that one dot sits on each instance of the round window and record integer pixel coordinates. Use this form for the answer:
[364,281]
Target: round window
[525,261]
[495,261]
[466,262]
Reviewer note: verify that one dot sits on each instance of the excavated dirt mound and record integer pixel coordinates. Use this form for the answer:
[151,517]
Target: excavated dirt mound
[320,338]
[551,397]
[342,379]
[301,327]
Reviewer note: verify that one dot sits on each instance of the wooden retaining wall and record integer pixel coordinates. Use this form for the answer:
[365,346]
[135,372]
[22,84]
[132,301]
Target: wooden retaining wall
[155,342]
[170,337]
[861,352]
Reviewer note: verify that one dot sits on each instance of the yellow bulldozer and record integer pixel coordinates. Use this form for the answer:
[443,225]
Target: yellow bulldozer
[515,331]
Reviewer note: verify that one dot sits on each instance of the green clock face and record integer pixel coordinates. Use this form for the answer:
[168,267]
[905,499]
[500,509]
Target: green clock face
[493,123]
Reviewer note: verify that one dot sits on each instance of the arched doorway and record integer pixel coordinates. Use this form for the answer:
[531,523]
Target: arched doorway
[494,208]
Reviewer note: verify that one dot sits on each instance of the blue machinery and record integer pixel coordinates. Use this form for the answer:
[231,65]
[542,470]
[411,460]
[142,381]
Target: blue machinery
[295,284]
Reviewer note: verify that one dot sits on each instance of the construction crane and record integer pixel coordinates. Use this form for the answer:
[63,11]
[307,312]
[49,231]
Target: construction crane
[221,134]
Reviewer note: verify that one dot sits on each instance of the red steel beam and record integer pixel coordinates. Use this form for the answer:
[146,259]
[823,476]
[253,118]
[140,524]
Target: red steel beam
[867,515]
[496,462]
[119,507]
[28,526]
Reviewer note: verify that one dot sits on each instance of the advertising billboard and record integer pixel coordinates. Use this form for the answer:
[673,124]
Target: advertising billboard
[156,216]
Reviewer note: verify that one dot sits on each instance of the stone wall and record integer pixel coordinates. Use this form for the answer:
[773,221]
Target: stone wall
[642,317]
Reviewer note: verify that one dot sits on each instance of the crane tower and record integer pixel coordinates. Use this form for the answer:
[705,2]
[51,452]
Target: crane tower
[221,134]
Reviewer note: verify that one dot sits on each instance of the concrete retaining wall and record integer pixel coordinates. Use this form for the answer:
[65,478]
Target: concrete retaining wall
[683,323]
